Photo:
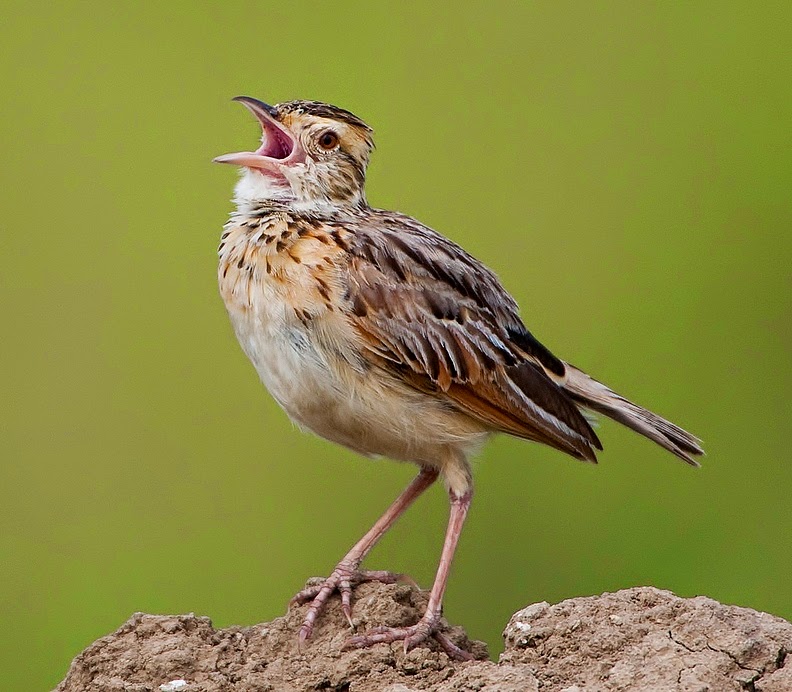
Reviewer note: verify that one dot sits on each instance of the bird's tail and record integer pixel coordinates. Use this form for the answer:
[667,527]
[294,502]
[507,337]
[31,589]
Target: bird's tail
[594,395]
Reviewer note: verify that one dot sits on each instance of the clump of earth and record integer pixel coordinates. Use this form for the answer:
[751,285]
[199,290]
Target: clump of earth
[639,639]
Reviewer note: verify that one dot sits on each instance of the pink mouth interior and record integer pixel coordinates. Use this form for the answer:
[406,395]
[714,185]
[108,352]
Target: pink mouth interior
[276,145]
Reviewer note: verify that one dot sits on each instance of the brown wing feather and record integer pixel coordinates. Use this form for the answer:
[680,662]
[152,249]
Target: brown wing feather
[442,321]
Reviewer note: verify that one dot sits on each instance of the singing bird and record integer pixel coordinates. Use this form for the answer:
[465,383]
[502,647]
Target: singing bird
[376,332]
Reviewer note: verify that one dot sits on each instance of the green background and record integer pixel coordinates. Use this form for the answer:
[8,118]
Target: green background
[625,167]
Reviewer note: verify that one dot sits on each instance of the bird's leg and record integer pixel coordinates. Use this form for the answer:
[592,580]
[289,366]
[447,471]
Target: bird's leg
[346,573]
[427,625]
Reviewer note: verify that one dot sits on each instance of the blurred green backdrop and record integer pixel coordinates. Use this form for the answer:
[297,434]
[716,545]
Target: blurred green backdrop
[624,166]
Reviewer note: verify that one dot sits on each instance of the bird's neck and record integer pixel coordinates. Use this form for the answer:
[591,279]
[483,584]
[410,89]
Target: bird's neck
[264,212]
[254,192]
[314,208]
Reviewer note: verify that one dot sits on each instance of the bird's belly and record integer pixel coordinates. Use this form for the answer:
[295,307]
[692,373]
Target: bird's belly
[364,410]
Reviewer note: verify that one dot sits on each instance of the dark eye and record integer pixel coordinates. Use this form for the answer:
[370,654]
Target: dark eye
[328,140]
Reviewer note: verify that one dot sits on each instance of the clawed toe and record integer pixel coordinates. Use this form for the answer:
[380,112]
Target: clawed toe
[411,636]
[344,581]
[341,580]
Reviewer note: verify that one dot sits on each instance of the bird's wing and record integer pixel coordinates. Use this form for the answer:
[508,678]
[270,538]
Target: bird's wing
[440,320]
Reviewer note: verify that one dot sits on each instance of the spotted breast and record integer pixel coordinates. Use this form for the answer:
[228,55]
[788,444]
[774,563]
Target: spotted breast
[282,277]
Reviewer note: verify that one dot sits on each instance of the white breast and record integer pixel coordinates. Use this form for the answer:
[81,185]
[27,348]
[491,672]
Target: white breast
[281,350]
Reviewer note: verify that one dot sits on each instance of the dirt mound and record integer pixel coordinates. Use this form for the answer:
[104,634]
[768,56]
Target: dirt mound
[637,639]
[647,639]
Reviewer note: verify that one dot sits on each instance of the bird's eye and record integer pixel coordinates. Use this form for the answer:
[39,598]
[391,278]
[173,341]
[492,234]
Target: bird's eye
[328,140]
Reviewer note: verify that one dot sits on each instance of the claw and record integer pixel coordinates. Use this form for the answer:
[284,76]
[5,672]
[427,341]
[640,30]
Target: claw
[301,637]
[452,649]
[346,604]
[342,580]
[411,636]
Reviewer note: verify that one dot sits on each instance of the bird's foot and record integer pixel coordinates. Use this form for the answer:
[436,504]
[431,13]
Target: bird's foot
[413,635]
[341,580]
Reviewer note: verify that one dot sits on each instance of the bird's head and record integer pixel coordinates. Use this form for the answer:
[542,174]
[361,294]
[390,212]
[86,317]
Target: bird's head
[312,154]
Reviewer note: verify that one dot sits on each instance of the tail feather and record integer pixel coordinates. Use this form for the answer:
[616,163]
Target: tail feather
[594,395]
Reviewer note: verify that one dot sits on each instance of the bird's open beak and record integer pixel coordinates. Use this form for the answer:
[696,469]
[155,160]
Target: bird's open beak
[278,146]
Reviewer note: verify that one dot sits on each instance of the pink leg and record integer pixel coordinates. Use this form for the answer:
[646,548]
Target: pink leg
[427,625]
[346,573]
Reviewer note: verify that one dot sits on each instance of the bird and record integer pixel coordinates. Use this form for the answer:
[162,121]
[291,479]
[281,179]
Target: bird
[378,333]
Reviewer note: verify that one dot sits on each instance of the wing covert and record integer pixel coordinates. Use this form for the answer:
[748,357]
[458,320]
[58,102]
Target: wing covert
[440,320]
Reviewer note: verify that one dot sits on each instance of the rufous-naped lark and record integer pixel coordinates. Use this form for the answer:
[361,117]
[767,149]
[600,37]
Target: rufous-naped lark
[378,333]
